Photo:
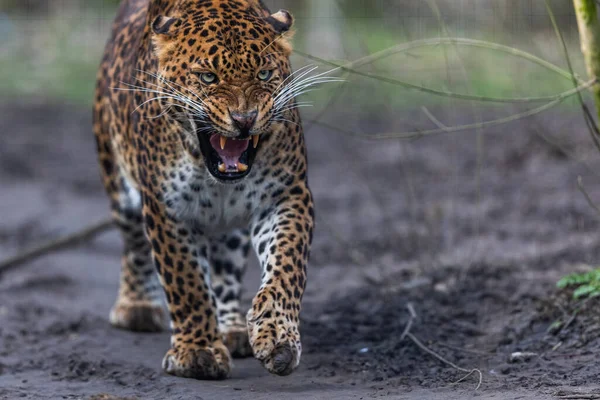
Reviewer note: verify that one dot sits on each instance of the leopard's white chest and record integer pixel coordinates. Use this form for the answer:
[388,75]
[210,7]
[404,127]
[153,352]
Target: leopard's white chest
[192,196]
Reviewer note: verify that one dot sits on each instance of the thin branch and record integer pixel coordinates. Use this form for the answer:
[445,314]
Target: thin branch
[447,362]
[587,195]
[405,47]
[411,318]
[577,396]
[458,128]
[351,67]
[406,333]
[67,241]
[433,119]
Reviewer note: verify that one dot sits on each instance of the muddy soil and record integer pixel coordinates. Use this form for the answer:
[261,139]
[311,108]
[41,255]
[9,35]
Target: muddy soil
[472,233]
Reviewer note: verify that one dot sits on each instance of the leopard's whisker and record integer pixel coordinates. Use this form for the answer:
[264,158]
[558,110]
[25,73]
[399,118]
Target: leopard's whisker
[298,80]
[150,100]
[300,87]
[169,83]
[292,76]
[282,111]
[138,89]
[307,70]
[311,81]
[182,96]
[161,93]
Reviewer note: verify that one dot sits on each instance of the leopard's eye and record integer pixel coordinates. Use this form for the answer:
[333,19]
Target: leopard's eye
[207,77]
[265,74]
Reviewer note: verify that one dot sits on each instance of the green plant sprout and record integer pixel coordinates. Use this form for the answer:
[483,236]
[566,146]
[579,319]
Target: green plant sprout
[585,284]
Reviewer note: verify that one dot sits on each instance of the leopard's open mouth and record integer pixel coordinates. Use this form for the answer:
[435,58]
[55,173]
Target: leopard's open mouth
[228,159]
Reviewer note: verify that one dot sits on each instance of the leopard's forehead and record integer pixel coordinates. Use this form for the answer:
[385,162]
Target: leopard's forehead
[222,24]
[225,36]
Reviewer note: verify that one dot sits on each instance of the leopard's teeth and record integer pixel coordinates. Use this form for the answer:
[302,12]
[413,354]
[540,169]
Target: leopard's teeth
[223,142]
[222,168]
[255,140]
[242,167]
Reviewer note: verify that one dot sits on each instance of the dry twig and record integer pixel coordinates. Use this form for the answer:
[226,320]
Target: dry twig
[433,119]
[577,396]
[351,67]
[419,344]
[457,128]
[84,235]
[450,363]
[411,320]
[587,195]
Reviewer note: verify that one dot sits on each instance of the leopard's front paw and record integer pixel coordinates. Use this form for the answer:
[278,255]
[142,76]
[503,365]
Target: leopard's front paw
[138,316]
[210,362]
[275,339]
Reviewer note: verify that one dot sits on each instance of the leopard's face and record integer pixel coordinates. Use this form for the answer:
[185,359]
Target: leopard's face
[222,69]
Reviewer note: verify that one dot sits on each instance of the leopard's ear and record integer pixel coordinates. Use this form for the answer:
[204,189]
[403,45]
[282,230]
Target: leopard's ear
[281,21]
[164,30]
[165,26]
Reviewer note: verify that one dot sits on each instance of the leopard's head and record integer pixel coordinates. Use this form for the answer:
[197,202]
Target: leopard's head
[222,65]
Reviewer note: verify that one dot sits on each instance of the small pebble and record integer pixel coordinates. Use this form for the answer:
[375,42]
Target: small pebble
[519,356]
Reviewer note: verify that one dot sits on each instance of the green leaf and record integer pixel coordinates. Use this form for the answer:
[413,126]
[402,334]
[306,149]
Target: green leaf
[585,284]
[585,290]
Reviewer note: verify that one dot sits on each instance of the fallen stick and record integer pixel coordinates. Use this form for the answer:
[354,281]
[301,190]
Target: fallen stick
[468,372]
[411,319]
[419,344]
[64,242]
[578,396]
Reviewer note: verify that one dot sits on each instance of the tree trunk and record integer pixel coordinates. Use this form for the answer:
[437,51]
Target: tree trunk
[589,32]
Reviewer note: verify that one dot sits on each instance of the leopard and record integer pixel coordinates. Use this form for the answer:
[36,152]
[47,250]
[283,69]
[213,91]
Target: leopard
[203,157]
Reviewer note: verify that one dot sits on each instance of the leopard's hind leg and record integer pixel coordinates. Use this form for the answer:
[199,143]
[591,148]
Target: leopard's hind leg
[139,305]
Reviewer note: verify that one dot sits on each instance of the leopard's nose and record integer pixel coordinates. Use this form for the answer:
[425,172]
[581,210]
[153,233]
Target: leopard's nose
[244,121]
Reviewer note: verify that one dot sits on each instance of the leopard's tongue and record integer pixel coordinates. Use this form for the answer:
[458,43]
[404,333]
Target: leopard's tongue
[230,153]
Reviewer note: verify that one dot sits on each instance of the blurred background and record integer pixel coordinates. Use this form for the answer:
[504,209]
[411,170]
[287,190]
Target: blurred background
[473,227]
[52,48]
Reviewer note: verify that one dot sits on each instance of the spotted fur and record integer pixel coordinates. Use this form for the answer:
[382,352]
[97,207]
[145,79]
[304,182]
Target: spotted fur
[177,216]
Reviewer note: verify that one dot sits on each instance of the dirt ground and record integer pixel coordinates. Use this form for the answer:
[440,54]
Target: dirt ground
[473,233]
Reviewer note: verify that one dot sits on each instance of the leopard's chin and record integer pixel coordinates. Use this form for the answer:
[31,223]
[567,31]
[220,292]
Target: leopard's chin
[227,159]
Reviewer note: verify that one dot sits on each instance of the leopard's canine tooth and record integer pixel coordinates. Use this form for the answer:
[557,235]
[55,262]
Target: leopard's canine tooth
[222,168]
[255,140]
[223,142]
[242,167]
